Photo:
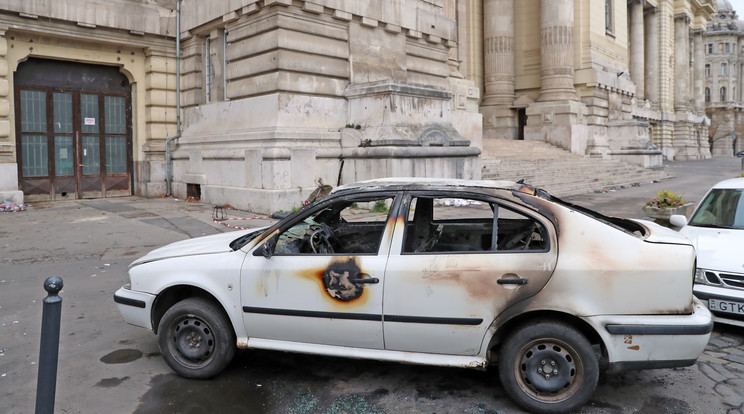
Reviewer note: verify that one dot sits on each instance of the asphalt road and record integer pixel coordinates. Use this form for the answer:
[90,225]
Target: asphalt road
[107,366]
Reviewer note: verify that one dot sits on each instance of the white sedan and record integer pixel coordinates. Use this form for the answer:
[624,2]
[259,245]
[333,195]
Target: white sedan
[716,228]
[432,271]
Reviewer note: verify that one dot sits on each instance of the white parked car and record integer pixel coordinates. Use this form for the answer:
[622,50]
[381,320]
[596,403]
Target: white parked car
[716,228]
[432,271]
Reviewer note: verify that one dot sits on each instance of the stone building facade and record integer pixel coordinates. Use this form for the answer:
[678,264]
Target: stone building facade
[724,97]
[613,79]
[277,94]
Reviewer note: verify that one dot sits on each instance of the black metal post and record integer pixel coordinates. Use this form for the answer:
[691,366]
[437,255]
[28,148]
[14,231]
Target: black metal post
[46,384]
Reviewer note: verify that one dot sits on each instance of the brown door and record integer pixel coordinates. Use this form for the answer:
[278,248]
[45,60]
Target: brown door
[73,143]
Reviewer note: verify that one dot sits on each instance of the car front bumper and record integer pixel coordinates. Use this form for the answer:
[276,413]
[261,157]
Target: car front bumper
[706,292]
[135,306]
[654,341]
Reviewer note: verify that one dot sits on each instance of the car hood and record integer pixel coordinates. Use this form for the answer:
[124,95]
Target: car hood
[217,243]
[717,249]
[661,234]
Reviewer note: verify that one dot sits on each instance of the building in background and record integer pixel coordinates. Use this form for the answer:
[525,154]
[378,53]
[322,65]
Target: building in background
[614,78]
[724,63]
[278,94]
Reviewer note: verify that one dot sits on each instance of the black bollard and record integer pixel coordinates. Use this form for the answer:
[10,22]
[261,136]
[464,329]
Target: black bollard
[46,384]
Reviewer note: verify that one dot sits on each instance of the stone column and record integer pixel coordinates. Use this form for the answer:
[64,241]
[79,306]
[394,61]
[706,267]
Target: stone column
[698,62]
[499,120]
[652,56]
[637,53]
[681,62]
[557,57]
[498,51]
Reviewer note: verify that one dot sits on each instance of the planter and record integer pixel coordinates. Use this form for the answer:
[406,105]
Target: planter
[661,215]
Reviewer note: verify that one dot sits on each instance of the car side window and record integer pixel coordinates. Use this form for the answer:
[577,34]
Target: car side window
[470,225]
[343,227]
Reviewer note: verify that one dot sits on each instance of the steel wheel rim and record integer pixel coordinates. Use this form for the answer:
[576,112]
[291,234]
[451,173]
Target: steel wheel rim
[192,341]
[548,370]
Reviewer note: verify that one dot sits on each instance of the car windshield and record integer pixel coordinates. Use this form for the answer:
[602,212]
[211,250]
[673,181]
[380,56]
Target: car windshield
[722,207]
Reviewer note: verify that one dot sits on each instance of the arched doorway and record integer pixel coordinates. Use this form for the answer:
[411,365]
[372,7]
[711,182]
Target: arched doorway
[73,130]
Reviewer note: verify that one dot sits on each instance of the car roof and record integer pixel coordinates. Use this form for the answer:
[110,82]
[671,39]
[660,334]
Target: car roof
[433,183]
[731,183]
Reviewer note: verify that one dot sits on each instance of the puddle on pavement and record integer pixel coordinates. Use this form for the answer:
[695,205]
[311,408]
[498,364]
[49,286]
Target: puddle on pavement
[121,356]
[173,394]
[110,382]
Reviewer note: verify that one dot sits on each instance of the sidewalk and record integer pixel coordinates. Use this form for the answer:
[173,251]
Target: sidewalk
[691,179]
[193,219]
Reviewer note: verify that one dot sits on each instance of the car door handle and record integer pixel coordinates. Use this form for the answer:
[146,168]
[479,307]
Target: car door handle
[517,281]
[365,280]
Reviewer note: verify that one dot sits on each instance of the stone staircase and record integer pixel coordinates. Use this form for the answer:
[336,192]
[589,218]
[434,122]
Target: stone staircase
[556,170]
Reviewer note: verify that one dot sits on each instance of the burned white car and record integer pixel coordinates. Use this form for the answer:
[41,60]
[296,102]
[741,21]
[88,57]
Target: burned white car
[440,272]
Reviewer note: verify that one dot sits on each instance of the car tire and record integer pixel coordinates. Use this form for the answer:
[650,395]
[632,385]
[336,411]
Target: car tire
[548,367]
[196,338]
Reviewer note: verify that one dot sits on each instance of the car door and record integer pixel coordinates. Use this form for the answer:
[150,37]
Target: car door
[323,282]
[455,264]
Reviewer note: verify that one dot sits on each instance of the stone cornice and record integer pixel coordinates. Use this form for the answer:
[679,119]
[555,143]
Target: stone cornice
[69,30]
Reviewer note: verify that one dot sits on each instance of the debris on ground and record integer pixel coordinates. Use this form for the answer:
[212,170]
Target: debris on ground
[8,207]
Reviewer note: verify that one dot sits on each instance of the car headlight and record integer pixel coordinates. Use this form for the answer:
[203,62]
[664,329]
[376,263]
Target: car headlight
[700,276]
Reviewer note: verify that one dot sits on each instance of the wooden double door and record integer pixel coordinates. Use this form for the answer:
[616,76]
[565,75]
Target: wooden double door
[73,142]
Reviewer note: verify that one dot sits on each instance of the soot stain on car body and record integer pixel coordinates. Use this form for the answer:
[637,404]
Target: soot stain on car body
[337,278]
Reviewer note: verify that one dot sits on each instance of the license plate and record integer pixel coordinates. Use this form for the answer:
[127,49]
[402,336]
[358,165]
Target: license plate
[726,306]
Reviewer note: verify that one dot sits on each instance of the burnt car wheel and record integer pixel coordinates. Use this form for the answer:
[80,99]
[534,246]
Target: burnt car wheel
[196,339]
[548,367]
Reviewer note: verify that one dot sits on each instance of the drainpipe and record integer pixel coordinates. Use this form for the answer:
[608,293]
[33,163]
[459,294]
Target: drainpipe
[168,167]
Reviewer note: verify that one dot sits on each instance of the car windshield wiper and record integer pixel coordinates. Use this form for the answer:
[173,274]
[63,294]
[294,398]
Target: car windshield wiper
[713,226]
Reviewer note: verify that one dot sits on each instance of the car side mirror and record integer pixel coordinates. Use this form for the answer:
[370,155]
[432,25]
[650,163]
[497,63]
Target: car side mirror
[268,248]
[678,220]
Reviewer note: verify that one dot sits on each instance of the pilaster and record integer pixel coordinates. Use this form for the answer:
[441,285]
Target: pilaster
[160,116]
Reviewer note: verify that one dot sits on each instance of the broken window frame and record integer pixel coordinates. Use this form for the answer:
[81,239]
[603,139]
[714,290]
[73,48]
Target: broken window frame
[497,205]
[309,214]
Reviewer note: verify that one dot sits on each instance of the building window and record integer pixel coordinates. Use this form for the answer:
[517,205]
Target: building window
[709,48]
[720,47]
[707,94]
[724,69]
[723,94]
[707,70]
[727,47]
[209,69]
[609,19]
[215,63]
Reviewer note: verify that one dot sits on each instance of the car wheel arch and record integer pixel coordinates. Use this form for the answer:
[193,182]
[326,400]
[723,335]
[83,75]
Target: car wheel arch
[174,294]
[506,327]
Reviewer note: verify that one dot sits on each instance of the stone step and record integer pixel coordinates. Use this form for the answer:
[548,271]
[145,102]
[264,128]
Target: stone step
[558,171]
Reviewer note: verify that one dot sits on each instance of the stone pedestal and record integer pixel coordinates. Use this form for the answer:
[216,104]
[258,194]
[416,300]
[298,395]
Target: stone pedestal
[560,123]
[402,114]
[9,184]
[661,215]
[629,142]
